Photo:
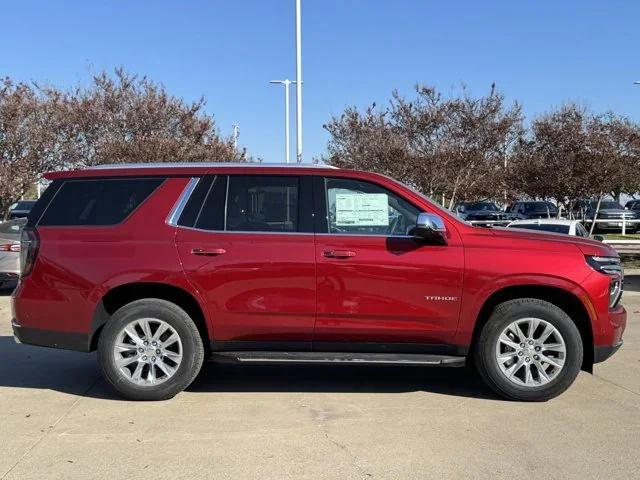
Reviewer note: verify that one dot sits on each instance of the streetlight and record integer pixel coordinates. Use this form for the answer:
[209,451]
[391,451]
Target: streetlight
[286,84]
[298,82]
[236,134]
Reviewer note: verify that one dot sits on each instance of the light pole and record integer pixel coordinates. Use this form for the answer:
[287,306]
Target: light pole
[236,134]
[286,84]
[298,83]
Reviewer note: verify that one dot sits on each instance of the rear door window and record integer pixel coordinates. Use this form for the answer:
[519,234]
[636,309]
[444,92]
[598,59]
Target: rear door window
[262,204]
[97,201]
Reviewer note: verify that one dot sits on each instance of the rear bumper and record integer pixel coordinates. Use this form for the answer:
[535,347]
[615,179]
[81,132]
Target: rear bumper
[50,338]
[602,353]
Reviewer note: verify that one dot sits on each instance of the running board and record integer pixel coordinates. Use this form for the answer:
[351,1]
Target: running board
[341,358]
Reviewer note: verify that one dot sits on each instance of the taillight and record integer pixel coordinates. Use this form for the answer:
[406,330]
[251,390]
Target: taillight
[29,243]
[10,247]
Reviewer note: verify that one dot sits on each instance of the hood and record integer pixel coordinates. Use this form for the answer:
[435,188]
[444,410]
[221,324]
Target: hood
[586,245]
[617,211]
[485,213]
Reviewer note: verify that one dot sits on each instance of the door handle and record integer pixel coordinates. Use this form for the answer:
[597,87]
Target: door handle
[214,252]
[339,253]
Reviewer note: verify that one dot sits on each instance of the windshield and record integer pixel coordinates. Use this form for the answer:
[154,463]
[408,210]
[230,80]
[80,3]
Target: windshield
[481,206]
[544,227]
[536,206]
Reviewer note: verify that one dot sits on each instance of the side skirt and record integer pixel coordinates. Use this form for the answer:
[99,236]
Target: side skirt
[344,358]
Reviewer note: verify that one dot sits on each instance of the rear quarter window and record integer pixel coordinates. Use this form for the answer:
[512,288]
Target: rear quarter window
[97,201]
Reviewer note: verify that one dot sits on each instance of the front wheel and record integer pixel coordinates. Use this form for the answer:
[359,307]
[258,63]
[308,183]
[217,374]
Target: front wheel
[150,350]
[529,350]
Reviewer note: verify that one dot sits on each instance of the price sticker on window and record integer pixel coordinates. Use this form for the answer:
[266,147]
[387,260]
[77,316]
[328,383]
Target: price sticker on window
[362,210]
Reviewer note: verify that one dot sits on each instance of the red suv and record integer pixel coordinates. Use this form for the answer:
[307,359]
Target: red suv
[159,267]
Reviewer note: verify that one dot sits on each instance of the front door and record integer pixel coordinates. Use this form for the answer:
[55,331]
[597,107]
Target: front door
[250,253]
[375,282]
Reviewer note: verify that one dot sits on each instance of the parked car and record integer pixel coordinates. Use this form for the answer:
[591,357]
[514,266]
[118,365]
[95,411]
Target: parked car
[526,210]
[487,214]
[20,209]
[632,205]
[10,252]
[553,225]
[611,210]
[161,266]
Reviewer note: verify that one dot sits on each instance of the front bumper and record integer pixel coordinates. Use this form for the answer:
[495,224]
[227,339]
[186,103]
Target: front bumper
[50,338]
[602,353]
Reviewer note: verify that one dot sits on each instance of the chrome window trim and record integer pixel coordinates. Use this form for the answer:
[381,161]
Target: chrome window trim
[375,235]
[243,232]
[226,203]
[178,207]
[250,232]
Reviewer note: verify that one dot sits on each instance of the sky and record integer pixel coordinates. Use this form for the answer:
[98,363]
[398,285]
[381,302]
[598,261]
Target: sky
[541,53]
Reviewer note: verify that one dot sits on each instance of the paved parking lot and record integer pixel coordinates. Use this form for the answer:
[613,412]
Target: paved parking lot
[59,420]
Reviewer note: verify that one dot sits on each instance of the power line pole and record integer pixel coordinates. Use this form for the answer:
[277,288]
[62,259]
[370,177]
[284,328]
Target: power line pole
[298,82]
[287,128]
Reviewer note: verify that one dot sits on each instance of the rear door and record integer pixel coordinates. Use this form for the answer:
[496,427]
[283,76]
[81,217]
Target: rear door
[246,243]
[376,284]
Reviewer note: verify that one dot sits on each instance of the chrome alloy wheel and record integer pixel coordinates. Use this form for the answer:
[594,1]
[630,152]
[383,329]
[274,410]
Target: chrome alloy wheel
[148,351]
[530,352]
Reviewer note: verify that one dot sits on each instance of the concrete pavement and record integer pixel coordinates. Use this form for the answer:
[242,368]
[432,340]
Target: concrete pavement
[59,420]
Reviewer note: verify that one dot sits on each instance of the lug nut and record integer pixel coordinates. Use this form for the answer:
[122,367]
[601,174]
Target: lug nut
[530,342]
[527,359]
[158,352]
[144,357]
[154,343]
[146,343]
[520,354]
[536,357]
[522,344]
[537,349]
[153,359]
[141,350]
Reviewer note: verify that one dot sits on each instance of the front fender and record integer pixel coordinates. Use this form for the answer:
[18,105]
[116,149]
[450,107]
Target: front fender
[475,297]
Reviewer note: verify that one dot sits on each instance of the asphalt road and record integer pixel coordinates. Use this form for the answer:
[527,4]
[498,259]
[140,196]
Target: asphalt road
[59,420]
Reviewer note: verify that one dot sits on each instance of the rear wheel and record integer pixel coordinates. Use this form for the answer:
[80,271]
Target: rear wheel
[529,349]
[150,350]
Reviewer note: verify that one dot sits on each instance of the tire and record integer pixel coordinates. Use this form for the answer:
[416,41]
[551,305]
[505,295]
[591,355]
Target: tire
[536,380]
[174,368]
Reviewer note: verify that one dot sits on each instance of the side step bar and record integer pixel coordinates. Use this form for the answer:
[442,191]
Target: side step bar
[347,358]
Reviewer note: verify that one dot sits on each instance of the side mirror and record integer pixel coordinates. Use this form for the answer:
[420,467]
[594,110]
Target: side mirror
[430,227]
[462,209]
[599,238]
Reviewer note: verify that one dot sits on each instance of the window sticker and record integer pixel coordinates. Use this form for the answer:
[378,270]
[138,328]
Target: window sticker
[362,209]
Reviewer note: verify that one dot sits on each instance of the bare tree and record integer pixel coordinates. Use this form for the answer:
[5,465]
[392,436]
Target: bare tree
[26,140]
[454,147]
[571,154]
[124,118]
[116,119]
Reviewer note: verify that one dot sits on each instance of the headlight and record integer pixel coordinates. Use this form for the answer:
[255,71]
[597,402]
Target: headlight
[612,267]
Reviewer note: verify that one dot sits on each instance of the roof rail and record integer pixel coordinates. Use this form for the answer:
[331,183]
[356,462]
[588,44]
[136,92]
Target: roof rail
[208,164]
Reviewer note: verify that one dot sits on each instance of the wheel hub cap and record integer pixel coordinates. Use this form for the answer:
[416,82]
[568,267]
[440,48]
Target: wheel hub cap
[148,351]
[530,352]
